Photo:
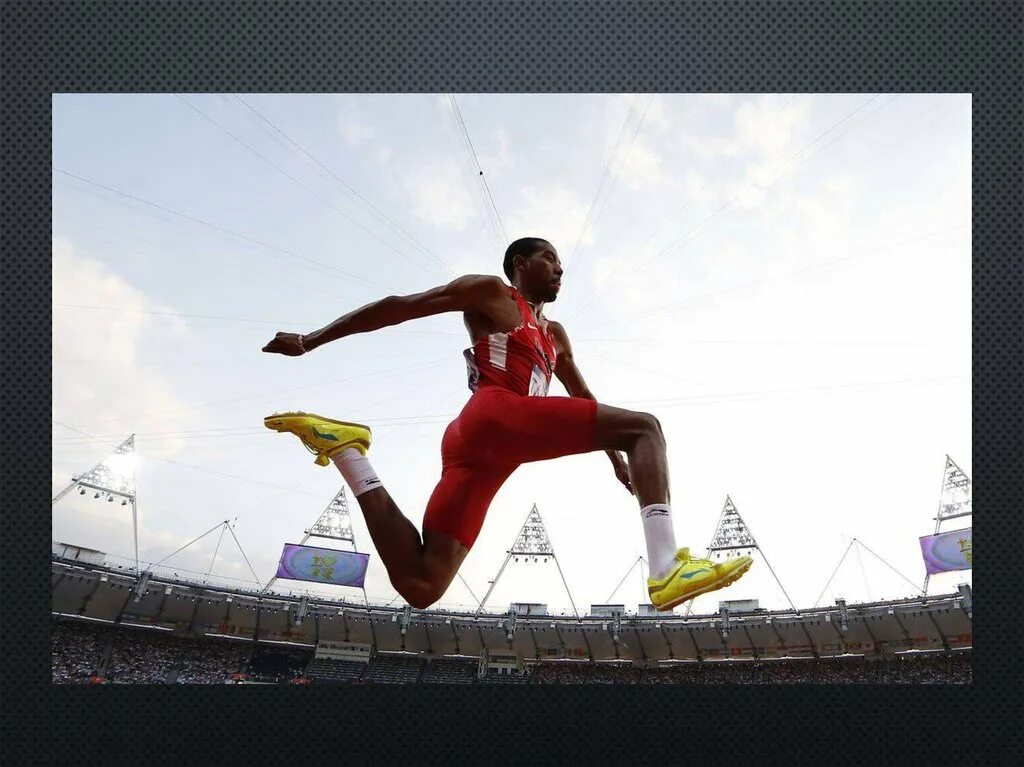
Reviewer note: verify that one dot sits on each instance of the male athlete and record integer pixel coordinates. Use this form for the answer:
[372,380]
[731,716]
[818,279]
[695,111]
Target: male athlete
[507,421]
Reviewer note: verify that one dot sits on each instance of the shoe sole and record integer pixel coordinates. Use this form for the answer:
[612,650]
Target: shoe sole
[714,586]
[322,457]
[266,421]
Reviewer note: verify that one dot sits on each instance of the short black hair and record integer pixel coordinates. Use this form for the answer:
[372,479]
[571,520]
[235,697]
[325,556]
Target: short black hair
[524,246]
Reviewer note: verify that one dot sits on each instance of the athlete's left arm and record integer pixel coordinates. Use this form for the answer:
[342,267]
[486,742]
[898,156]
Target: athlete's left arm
[571,378]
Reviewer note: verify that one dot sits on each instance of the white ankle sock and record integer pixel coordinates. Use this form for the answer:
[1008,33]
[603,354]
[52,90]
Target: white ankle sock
[661,538]
[357,471]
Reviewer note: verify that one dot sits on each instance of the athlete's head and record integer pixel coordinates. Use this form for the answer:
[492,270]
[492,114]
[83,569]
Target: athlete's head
[533,266]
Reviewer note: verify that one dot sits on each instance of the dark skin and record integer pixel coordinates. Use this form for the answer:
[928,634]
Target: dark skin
[422,569]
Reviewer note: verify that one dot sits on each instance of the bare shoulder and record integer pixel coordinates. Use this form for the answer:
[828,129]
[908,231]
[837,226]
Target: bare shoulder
[557,331]
[485,283]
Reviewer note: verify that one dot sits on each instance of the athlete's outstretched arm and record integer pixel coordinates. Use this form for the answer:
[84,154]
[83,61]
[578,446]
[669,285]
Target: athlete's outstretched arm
[473,292]
[571,378]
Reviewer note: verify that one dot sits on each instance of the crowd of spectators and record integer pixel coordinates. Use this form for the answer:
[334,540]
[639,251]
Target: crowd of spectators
[926,669]
[933,668]
[81,653]
[209,662]
[76,652]
[139,658]
[278,664]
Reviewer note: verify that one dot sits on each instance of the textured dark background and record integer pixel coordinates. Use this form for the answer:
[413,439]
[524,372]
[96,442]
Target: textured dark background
[817,46]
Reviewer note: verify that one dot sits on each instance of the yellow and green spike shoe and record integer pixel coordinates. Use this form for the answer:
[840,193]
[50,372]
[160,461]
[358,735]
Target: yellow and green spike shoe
[692,577]
[321,436]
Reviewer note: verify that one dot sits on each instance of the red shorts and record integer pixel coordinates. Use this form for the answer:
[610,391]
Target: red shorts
[497,431]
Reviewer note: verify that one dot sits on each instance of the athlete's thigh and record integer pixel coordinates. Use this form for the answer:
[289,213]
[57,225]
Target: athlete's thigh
[521,429]
[616,428]
[442,557]
[459,503]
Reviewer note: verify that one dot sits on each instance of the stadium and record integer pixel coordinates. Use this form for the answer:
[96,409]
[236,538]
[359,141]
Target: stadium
[124,625]
[744,270]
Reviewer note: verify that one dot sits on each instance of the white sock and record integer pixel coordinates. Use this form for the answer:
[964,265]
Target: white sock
[357,471]
[661,538]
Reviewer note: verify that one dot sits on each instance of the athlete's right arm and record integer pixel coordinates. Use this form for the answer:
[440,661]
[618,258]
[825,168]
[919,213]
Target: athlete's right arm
[472,292]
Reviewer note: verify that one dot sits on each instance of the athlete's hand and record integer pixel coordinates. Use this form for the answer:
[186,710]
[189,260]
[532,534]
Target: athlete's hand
[621,471]
[288,344]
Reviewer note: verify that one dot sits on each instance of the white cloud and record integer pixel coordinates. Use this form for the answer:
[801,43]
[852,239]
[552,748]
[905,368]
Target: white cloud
[769,124]
[116,384]
[552,211]
[439,197]
[717,99]
[641,168]
[495,156]
[354,132]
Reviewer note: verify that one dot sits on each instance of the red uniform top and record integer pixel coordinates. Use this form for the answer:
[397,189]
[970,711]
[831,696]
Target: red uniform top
[520,360]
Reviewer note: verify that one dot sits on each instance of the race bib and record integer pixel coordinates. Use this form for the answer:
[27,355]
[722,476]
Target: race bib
[538,383]
[472,370]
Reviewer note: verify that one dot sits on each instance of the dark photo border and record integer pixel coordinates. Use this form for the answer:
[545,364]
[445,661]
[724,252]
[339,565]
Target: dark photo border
[261,46]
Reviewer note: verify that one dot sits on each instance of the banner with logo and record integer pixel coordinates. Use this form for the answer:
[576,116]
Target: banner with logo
[947,551]
[309,563]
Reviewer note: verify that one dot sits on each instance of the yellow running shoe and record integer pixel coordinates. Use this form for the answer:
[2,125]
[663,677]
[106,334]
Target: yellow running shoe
[321,436]
[692,577]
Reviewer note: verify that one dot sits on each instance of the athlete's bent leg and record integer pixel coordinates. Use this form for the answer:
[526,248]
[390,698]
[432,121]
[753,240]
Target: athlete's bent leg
[640,437]
[420,571]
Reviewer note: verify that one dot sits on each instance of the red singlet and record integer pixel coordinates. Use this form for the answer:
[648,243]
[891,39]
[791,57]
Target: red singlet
[508,421]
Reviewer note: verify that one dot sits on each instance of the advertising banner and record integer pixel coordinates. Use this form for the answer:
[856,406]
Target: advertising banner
[308,563]
[947,551]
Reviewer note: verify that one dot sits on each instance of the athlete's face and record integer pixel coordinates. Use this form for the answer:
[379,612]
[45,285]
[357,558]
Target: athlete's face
[542,273]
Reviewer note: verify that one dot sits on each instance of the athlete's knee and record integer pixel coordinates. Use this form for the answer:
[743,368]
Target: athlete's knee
[420,593]
[650,426]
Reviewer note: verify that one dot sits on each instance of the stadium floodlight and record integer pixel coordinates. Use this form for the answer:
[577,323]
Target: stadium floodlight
[844,622]
[140,587]
[966,599]
[113,476]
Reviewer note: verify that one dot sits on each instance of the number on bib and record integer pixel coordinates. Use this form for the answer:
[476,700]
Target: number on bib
[538,383]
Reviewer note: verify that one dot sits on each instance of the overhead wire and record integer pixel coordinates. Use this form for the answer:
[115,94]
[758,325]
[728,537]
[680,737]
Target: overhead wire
[221,318]
[321,266]
[267,395]
[625,158]
[489,204]
[297,182]
[770,278]
[348,187]
[725,164]
[634,269]
[244,269]
[600,185]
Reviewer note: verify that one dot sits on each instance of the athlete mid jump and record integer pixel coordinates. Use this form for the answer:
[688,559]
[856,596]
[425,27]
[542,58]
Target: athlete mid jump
[508,421]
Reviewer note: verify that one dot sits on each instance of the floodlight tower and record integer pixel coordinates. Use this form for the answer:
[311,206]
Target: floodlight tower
[733,538]
[334,523]
[531,541]
[113,477]
[955,500]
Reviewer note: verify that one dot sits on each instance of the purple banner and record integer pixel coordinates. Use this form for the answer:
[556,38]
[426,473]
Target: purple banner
[308,563]
[947,551]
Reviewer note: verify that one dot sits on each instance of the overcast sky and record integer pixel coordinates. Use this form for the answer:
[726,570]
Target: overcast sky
[783,280]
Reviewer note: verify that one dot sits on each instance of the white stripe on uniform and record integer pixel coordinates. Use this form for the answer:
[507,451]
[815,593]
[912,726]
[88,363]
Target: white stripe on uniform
[497,344]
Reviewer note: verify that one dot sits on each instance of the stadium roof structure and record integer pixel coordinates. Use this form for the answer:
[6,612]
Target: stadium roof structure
[186,608]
